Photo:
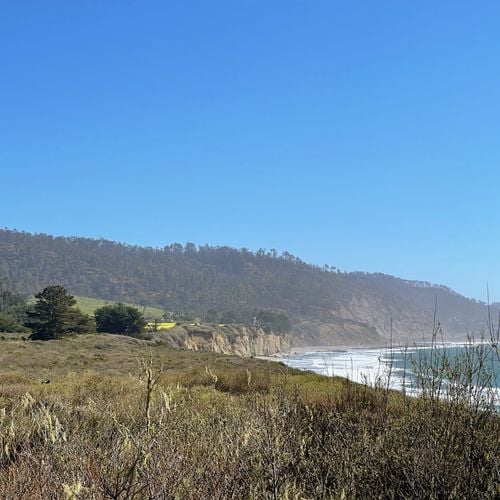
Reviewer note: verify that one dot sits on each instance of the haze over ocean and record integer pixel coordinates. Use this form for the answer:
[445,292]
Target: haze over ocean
[364,136]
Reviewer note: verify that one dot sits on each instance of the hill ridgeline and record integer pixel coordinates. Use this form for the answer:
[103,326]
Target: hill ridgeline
[326,307]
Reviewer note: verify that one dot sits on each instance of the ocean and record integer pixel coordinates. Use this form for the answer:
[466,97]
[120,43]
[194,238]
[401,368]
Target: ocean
[407,368]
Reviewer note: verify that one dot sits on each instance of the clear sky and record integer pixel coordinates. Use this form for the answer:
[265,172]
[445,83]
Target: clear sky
[364,135]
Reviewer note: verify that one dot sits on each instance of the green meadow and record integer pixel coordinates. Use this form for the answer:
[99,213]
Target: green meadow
[88,305]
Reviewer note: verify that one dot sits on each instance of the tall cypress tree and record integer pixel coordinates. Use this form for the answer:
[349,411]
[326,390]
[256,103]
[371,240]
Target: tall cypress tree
[53,315]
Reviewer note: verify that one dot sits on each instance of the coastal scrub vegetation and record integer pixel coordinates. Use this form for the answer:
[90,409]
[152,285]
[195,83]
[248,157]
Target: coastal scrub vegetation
[127,418]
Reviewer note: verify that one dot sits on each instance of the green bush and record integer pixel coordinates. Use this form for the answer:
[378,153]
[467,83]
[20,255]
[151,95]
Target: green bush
[121,319]
[9,323]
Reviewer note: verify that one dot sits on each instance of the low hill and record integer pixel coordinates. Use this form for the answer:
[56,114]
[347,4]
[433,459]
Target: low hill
[324,304]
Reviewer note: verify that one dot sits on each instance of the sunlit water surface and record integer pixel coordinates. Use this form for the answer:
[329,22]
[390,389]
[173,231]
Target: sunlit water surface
[396,367]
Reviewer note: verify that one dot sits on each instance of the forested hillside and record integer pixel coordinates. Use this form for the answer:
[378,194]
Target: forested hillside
[230,283]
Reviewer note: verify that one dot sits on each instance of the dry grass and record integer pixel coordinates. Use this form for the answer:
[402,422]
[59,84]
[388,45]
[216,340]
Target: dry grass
[113,354]
[212,426]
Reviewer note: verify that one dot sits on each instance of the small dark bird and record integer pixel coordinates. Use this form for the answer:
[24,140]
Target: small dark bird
[46,381]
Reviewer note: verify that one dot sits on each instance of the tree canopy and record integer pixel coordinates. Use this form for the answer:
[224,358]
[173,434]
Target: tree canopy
[12,309]
[121,319]
[273,321]
[193,280]
[54,315]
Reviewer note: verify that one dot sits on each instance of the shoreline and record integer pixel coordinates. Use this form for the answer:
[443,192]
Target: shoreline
[368,365]
[278,356]
[344,348]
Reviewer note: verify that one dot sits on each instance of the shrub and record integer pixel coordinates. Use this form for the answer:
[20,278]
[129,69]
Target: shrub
[120,318]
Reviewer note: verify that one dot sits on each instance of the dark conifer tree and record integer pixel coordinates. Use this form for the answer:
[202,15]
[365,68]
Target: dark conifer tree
[54,316]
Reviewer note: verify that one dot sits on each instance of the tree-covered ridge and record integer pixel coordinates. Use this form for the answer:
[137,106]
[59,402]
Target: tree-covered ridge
[198,279]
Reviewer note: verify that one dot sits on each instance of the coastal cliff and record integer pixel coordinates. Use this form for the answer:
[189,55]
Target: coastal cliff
[247,341]
[241,340]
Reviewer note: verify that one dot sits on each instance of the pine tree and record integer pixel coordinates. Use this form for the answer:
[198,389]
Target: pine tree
[54,316]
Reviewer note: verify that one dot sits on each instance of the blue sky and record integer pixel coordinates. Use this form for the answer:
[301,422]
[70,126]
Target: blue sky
[364,135]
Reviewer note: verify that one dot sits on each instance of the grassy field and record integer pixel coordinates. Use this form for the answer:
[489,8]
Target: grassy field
[88,305]
[112,354]
[124,418]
